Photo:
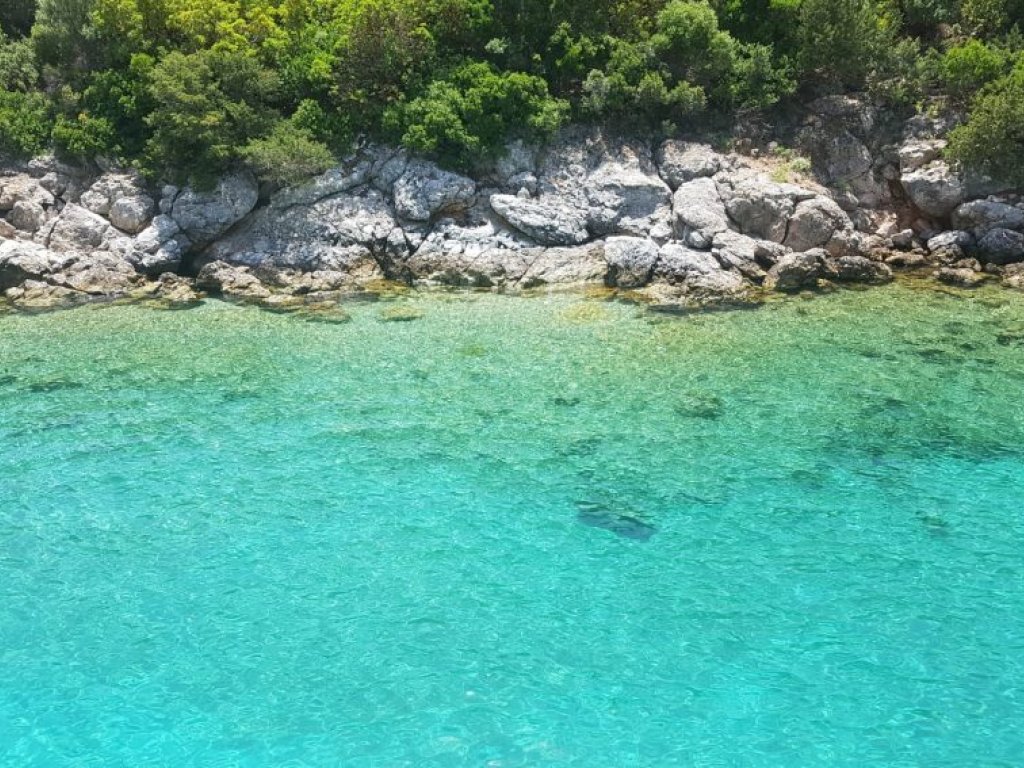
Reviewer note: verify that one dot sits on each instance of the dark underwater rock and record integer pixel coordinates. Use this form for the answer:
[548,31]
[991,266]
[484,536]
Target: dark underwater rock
[622,524]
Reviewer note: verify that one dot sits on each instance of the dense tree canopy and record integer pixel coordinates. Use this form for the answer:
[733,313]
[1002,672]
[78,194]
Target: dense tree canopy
[189,87]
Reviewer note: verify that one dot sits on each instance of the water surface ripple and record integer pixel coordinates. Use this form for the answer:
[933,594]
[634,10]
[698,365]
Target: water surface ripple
[515,532]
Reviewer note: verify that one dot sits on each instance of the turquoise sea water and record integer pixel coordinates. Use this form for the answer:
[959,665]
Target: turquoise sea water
[235,538]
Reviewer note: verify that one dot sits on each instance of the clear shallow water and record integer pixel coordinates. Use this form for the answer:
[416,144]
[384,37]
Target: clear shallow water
[229,537]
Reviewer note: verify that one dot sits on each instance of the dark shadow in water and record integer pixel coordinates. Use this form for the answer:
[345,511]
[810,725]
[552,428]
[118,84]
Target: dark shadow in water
[934,525]
[54,385]
[581,447]
[566,402]
[628,526]
[1010,338]
[700,405]
[7,380]
[871,353]
[240,395]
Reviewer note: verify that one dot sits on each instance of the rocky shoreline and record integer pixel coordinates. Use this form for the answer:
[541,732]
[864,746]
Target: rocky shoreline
[677,225]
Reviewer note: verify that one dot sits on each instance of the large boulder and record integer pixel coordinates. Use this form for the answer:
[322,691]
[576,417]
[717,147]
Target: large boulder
[858,269]
[481,252]
[796,271]
[935,189]
[132,214]
[630,260]
[980,216]
[1001,246]
[424,190]
[696,270]
[814,222]
[613,182]
[332,182]
[622,198]
[160,230]
[918,153]
[27,216]
[342,232]
[699,212]
[104,193]
[25,189]
[547,221]
[98,274]
[206,215]
[21,261]
[77,229]
[762,208]
[949,247]
[566,266]
[740,252]
[75,276]
[232,281]
[440,261]
[682,161]
[159,248]
[842,160]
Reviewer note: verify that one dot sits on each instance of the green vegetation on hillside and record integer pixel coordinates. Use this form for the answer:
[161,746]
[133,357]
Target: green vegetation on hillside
[186,88]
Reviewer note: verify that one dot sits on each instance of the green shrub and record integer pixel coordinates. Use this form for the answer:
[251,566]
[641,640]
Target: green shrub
[329,128]
[841,41]
[690,44]
[208,105]
[984,17]
[25,123]
[288,155]
[471,113]
[16,16]
[84,136]
[17,65]
[992,140]
[900,75]
[965,68]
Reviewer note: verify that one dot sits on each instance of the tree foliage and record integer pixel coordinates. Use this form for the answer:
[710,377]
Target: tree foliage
[992,141]
[193,86]
[469,114]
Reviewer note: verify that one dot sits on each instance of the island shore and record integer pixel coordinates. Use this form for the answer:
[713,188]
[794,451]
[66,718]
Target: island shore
[676,224]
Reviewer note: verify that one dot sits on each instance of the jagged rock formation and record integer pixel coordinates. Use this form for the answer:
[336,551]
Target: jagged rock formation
[679,224]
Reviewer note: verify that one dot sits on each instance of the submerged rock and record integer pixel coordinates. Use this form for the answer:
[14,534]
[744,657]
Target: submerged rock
[700,405]
[400,313]
[960,277]
[174,292]
[624,524]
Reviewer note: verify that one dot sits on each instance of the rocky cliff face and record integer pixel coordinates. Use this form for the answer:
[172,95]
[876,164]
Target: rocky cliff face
[677,224]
